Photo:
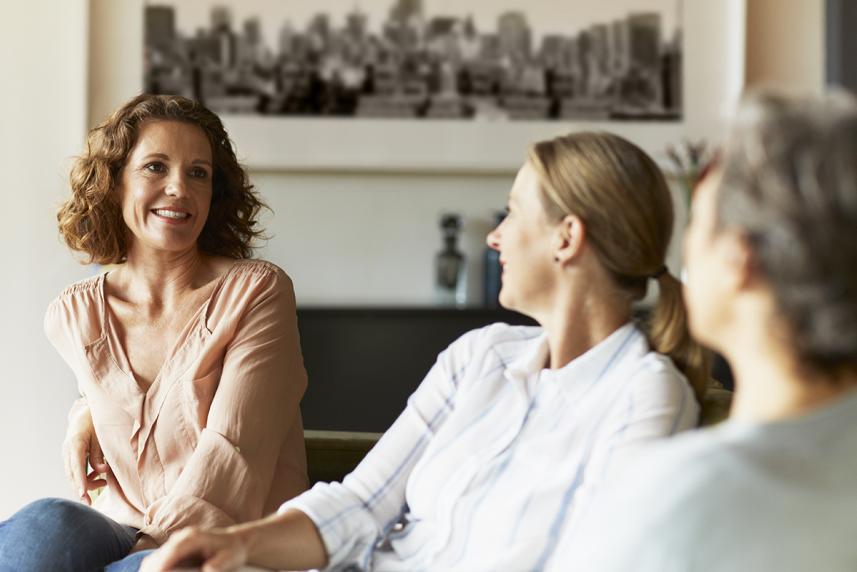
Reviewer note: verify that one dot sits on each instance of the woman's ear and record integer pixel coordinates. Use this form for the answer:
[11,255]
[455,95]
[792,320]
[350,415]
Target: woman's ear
[570,237]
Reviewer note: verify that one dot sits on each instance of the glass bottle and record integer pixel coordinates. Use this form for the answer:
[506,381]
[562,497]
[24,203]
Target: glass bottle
[450,277]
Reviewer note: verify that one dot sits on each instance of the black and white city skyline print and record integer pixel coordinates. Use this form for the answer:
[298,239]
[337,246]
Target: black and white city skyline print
[419,59]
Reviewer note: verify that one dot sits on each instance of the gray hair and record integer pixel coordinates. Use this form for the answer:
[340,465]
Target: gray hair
[790,184]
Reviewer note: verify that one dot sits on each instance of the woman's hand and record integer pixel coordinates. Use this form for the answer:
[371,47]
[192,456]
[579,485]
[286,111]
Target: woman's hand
[287,541]
[216,550]
[81,445]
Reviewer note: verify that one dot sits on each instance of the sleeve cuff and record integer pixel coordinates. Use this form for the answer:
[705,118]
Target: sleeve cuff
[346,528]
[184,511]
[156,534]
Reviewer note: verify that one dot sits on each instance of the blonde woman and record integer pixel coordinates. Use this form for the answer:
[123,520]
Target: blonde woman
[772,284]
[512,431]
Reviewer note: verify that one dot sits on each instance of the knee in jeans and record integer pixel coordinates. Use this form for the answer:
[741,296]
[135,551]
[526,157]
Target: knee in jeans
[53,510]
[55,517]
[56,506]
[58,534]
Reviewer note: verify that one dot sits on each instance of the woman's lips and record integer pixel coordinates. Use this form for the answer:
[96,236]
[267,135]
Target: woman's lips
[172,216]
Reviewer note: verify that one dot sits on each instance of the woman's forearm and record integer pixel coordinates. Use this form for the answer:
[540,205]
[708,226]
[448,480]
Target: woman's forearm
[288,541]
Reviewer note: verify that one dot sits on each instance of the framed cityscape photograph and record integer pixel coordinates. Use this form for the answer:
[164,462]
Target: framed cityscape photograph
[438,84]
[418,60]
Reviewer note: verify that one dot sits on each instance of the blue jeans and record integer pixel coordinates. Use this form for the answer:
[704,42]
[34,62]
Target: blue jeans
[57,534]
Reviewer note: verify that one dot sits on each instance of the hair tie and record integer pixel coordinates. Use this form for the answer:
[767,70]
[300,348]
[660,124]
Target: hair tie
[663,270]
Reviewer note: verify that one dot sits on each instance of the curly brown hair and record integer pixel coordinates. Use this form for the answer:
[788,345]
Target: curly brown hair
[91,220]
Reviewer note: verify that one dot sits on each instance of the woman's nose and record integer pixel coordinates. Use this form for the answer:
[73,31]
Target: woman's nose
[493,239]
[176,185]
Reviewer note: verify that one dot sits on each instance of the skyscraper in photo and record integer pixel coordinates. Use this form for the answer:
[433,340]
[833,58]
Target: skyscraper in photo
[620,57]
[644,40]
[404,25]
[319,31]
[356,25]
[406,12]
[583,55]
[223,42]
[552,53]
[600,47]
[515,35]
[253,30]
[672,74]
[160,22]
[285,38]
[221,19]
[250,47]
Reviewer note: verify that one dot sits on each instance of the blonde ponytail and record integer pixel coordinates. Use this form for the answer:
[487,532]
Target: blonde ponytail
[669,334]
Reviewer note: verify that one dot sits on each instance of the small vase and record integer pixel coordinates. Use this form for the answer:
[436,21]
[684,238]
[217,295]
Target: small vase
[450,271]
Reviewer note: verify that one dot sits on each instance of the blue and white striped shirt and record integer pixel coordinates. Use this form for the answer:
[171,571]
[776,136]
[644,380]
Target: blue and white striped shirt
[494,455]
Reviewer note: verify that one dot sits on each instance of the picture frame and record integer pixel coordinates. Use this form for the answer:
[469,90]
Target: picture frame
[713,74]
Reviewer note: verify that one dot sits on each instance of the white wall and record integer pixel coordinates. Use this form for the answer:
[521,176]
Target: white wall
[42,122]
[371,238]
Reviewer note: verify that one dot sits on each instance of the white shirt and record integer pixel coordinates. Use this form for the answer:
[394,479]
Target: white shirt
[494,455]
[739,497]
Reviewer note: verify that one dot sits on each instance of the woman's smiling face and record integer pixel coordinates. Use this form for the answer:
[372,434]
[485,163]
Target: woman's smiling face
[165,186]
[523,240]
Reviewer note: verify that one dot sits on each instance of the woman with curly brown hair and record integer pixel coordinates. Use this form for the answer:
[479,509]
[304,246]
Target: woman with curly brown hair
[186,355]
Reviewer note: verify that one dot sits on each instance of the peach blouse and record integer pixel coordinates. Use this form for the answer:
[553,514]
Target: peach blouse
[217,438]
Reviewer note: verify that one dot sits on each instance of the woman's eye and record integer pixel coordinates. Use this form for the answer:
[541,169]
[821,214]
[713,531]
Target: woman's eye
[199,173]
[155,167]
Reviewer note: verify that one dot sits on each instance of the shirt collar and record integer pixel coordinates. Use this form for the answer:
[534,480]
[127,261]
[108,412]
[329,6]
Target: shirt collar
[530,360]
[591,366]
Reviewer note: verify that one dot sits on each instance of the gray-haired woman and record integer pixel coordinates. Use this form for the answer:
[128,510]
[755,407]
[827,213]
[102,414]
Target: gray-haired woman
[772,261]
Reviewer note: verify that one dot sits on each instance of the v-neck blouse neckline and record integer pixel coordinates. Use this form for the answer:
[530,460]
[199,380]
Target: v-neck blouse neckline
[119,355]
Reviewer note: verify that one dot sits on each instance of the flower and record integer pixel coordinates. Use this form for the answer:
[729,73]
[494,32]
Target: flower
[689,160]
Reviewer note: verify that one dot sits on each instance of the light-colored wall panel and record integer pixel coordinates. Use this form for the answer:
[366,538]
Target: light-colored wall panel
[371,239]
[42,123]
